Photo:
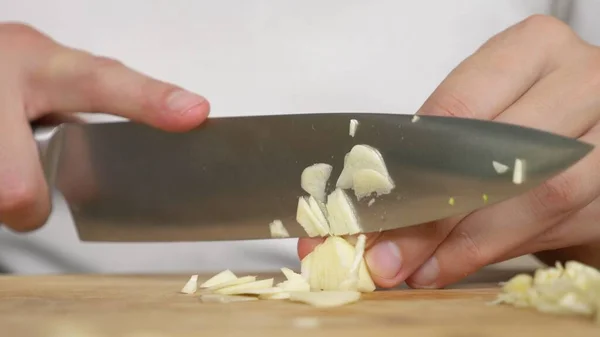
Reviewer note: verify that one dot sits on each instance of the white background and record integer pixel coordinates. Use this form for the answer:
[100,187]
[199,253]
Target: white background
[260,56]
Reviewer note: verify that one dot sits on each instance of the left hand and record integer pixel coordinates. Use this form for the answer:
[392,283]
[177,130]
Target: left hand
[538,74]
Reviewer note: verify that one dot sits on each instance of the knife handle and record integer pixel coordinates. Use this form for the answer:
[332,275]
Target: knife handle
[49,143]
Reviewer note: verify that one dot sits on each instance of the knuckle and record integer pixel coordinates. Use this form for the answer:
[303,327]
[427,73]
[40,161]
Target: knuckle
[451,104]
[19,35]
[470,250]
[555,196]
[18,198]
[552,31]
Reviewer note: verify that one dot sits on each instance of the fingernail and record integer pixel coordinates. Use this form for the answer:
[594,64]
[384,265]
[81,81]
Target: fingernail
[181,101]
[384,260]
[426,275]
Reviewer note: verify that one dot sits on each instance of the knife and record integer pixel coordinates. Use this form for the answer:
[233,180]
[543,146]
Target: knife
[230,177]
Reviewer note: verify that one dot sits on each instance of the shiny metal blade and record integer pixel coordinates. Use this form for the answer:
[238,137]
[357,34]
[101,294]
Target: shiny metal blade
[230,178]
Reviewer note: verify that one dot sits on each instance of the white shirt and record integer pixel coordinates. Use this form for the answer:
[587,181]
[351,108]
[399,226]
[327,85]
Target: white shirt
[257,56]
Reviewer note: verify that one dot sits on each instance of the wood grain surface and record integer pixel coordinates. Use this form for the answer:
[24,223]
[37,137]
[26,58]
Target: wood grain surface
[150,306]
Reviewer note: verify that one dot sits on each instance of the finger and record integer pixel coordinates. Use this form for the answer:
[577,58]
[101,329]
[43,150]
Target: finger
[58,118]
[487,234]
[577,229]
[503,69]
[564,102]
[24,195]
[75,81]
[396,254]
[307,245]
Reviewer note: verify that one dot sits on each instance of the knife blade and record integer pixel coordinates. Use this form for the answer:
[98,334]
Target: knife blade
[230,177]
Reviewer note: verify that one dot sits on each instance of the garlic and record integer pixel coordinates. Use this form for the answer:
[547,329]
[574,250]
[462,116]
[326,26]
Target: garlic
[314,180]
[311,218]
[499,167]
[330,265]
[191,286]
[294,282]
[222,277]
[367,181]
[415,118]
[245,288]
[353,126]
[326,299]
[275,296]
[519,172]
[351,283]
[572,290]
[361,157]
[342,216]
[216,298]
[319,210]
[278,229]
[237,281]
[290,274]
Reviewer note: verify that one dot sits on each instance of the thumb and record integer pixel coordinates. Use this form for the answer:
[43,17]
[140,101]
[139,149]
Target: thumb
[71,80]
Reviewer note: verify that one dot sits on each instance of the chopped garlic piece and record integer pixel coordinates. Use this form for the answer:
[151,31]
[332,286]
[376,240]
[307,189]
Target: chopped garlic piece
[451,201]
[326,299]
[262,291]
[217,298]
[237,281]
[191,285]
[352,282]
[519,172]
[485,197]
[290,275]
[330,264]
[319,210]
[311,222]
[278,230]
[371,202]
[353,126]
[294,285]
[314,180]
[361,157]
[367,181]
[415,118]
[222,277]
[245,288]
[275,296]
[572,290]
[342,216]
[499,167]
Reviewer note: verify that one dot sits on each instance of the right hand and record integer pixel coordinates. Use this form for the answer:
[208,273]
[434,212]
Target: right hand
[40,79]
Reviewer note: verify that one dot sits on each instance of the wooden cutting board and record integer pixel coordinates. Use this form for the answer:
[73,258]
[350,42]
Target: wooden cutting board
[150,306]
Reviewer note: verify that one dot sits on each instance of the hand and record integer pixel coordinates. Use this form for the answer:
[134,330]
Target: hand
[40,77]
[539,74]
